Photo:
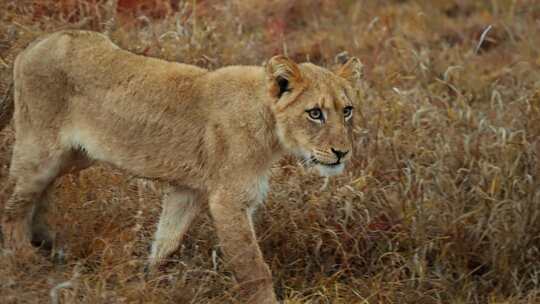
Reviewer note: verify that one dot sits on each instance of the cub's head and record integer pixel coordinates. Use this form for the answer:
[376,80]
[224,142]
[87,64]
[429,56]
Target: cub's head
[314,110]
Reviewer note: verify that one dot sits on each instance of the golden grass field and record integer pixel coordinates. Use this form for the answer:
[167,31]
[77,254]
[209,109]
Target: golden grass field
[440,205]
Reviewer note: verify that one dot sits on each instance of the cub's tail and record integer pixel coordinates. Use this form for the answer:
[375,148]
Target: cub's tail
[6,103]
[14,43]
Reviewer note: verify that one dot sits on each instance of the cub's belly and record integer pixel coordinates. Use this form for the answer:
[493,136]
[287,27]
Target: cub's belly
[137,155]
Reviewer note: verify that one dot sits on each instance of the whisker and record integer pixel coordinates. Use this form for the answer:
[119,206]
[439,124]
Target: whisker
[307,162]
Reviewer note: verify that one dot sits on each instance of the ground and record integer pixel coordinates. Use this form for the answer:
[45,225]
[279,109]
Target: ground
[441,202]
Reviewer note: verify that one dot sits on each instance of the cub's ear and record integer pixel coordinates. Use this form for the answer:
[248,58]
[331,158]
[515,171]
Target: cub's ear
[351,70]
[283,76]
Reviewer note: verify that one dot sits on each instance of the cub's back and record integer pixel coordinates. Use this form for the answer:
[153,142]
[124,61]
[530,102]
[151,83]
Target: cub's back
[87,69]
[51,51]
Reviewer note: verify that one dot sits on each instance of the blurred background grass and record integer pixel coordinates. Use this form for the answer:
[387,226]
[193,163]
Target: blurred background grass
[440,204]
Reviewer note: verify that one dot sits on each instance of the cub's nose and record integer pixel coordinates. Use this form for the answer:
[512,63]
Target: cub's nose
[339,154]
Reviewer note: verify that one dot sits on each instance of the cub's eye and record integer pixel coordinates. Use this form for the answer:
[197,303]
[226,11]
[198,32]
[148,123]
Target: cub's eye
[315,114]
[347,112]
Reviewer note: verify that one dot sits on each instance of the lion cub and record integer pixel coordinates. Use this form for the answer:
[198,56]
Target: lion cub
[211,135]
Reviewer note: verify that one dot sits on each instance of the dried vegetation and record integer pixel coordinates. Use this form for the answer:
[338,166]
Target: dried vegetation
[441,204]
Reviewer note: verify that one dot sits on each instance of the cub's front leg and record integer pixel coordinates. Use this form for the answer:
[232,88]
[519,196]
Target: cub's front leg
[229,207]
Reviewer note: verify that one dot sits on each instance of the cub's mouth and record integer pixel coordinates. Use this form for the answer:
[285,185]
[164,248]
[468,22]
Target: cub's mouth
[321,163]
[327,169]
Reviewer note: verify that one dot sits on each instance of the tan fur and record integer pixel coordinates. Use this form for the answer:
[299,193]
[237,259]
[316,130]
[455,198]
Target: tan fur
[211,135]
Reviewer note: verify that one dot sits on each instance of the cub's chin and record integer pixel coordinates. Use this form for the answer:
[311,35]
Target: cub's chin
[330,170]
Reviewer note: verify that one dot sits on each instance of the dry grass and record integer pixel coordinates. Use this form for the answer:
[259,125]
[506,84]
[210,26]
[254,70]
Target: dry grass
[440,205]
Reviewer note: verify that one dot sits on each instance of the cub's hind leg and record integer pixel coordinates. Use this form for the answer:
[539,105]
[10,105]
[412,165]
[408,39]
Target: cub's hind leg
[34,166]
[179,209]
[41,235]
